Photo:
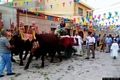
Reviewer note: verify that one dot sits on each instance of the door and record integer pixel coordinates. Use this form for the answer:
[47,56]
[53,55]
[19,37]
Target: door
[0,15]
[81,34]
[74,31]
[68,31]
[53,30]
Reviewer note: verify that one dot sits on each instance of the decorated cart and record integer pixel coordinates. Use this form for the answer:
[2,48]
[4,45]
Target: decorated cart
[68,43]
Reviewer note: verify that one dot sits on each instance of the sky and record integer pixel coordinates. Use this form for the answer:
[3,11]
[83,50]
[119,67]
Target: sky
[101,6]
[105,6]
[100,3]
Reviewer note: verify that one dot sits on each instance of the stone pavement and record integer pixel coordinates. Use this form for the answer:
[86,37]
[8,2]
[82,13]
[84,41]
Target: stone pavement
[76,68]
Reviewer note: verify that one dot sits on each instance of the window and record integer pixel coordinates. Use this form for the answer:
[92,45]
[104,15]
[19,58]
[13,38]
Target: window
[80,11]
[87,13]
[90,14]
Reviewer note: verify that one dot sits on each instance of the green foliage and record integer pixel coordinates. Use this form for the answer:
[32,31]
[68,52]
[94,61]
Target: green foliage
[62,32]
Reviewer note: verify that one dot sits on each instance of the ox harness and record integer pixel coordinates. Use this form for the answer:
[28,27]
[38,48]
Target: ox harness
[35,46]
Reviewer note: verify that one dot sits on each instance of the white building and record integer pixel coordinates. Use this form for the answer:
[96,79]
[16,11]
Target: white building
[8,15]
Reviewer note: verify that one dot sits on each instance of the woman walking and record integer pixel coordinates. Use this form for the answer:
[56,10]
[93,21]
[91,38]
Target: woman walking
[102,47]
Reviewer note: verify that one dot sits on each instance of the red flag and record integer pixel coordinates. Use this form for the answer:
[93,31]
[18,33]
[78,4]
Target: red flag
[63,4]
[15,4]
[36,9]
[42,16]
[74,20]
[108,28]
[40,1]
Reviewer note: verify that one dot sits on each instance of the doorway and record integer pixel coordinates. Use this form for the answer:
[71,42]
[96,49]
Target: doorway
[53,30]
[68,31]
[0,15]
[81,34]
[74,31]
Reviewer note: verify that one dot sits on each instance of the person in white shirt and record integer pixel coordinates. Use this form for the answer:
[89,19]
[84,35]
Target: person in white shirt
[114,49]
[79,47]
[91,41]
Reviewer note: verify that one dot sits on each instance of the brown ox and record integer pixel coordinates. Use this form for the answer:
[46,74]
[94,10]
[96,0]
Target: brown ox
[49,43]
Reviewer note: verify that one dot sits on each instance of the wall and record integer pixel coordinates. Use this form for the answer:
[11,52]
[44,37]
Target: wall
[7,14]
[0,15]
[43,25]
[83,7]
[60,10]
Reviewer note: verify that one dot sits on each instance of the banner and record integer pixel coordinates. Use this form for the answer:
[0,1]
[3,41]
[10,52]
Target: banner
[28,36]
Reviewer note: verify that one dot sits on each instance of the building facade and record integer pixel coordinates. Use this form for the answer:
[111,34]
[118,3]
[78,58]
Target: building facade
[71,10]
[82,10]
[61,8]
[8,15]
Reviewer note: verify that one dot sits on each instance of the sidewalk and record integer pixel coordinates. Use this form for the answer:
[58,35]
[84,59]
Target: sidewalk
[76,68]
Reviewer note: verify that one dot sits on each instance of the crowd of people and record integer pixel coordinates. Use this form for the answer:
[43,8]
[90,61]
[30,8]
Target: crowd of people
[106,42]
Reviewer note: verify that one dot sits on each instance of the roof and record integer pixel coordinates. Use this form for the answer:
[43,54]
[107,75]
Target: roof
[81,2]
[34,13]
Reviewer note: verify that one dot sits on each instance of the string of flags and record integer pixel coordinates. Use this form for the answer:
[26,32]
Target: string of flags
[25,2]
[95,22]
[89,22]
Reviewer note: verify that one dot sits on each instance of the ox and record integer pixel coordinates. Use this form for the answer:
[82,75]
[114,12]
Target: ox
[20,46]
[49,43]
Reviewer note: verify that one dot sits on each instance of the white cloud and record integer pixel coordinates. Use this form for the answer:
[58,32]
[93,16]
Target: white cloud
[98,4]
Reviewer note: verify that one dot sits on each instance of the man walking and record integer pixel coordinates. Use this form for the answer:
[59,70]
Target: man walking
[5,54]
[108,41]
[91,41]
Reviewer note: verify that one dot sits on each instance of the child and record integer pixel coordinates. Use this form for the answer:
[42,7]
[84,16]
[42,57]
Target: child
[114,49]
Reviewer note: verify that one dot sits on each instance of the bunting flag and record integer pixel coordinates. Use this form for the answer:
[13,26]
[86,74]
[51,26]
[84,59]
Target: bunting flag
[106,19]
[51,6]
[63,4]
[70,2]
[57,5]
[77,1]
[110,14]
[116,13]
[40,1]
[27,3]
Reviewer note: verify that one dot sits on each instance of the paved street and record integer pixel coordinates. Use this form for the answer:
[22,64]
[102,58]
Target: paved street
[76,68]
